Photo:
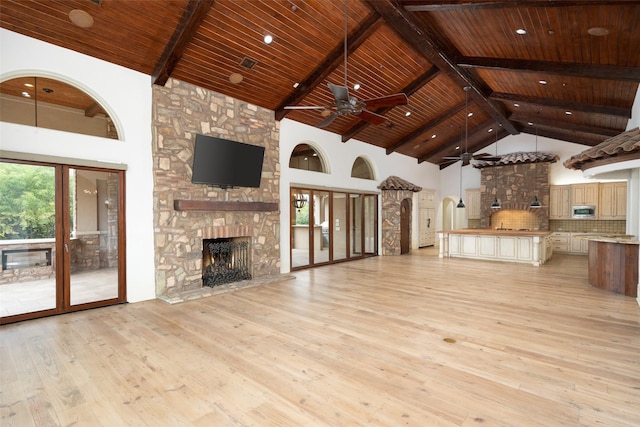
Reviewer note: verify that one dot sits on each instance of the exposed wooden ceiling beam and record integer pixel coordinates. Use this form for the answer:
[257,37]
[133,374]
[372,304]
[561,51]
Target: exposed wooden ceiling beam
[592,71]
[562,105]
[431,6]
[573,127]
[193,15]
[427,126]
[93,110]
[408,90]
[332,61]
[426,42]
[478,135]
[563,136]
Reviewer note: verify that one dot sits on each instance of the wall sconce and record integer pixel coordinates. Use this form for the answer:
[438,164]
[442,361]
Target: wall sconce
[299,201]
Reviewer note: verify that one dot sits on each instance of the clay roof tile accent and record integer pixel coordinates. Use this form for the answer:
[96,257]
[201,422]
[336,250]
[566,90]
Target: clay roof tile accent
[519,157]
[626,143]
[396,183]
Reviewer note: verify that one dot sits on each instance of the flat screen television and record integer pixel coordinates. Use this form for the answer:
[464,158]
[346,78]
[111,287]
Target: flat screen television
[224,163]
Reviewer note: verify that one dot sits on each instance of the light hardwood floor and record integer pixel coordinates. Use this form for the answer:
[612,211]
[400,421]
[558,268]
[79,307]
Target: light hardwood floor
[358,343]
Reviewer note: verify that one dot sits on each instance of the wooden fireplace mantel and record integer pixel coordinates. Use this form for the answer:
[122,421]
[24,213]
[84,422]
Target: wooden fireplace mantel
[214,205]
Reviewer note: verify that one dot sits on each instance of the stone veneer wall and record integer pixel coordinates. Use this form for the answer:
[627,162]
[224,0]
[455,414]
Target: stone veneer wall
[391,203]
[515,185]
[180,111]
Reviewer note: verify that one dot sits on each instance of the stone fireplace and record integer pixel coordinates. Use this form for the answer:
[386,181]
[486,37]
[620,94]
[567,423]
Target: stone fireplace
[514,181]
[187,215]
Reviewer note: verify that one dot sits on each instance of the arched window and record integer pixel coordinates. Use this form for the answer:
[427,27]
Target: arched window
[307,158]
[362,169]
[52,104]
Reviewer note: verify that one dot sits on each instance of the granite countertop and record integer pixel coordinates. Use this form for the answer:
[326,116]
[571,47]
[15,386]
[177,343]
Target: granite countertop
[498,232]
[621,238]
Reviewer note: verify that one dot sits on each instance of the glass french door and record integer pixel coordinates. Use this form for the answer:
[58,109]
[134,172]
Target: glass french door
[331,226]
[62,239]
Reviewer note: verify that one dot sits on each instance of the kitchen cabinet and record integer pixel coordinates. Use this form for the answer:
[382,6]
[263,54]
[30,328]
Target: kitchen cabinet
[473,203]
[612,200]
[426,218]
[573,243]
[585,194]
[534,248]
[560,241]
[560,202]
[579,244]
[427,229]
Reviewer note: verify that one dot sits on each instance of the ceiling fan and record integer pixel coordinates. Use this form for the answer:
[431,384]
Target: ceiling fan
[345,104]
[467,157]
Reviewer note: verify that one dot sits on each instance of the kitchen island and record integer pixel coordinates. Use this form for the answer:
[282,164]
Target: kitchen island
[532,247]
[613,265]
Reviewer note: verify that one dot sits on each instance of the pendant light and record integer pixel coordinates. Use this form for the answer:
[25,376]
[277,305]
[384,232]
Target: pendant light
[535,203]
[466,136]
[496,202]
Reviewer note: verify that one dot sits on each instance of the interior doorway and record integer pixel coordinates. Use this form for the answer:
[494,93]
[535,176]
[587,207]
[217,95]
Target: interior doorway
[405,226]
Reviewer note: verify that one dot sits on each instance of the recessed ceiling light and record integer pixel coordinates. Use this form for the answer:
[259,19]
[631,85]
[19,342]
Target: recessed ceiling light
[28,84]
[407,114]
[542,82]
[521,31]
[80,18]
[26,94]
[551,32]
[295,85]
[530,123]
[236,78]
[470,114]
[568,113]
[516,104]
[356,86]
[490,130]
[458,147]
[433,136]
[268,39]
[598,31]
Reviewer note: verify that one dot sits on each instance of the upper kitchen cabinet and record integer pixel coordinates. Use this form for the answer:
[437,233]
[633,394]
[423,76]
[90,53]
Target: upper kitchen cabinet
[560,202]
[473,203]
[584,194]
[612,200]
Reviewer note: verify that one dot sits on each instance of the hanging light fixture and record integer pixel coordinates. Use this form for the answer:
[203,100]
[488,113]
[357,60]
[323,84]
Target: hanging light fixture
[535,203]
[496,202]
[466,136]
[299,201]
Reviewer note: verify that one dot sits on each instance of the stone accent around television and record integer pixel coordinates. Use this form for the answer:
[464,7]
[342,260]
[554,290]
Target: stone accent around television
[180,111]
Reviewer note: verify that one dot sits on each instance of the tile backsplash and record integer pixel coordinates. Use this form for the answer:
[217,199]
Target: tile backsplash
[588,226]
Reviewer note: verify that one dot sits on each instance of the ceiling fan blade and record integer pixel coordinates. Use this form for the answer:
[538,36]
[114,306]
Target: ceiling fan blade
[373,118]
[341,93]
[452,157]
[326,122]
[307,107]
[386,101]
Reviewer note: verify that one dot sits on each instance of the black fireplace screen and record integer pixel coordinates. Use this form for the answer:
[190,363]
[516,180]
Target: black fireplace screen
[225,261]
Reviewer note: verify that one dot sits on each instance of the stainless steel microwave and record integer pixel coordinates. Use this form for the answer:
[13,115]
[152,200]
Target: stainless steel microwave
[583,212]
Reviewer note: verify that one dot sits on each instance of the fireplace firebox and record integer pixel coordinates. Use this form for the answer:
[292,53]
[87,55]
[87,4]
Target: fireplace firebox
[225,260]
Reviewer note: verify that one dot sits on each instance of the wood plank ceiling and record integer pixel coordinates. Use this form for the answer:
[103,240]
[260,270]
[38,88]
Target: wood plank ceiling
[573,85]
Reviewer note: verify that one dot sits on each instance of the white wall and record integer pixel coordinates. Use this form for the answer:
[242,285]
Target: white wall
[126,94]
[339,158]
